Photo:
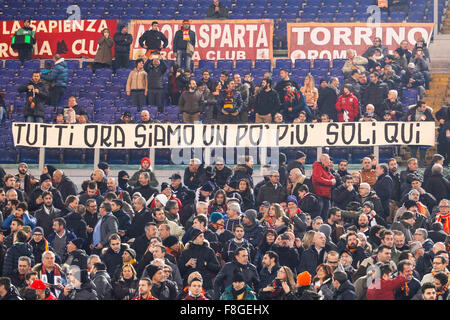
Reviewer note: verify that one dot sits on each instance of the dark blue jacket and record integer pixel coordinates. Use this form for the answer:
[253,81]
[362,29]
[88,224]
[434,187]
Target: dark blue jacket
[12,256]
[254,233]
[59,74]
[123,218]
[76,223]
[268,277]
[179,43]
[346,291]
[384,188]
[310,259]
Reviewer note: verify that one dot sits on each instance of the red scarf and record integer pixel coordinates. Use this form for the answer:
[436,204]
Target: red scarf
[422,208]
[56,272]
[270,222]
[351,250]
[445,220]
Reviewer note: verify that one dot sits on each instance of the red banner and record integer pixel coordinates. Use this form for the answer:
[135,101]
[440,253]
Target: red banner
[215,39]
[70,38]
[331,40]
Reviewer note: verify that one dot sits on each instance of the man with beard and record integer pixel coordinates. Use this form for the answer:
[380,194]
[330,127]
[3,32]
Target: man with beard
[392,165]
[267,102]
[144,188]
[345,193]
[413,166]
[342,168]
[112,186]
[39,244]
[45,215]
[270,267]
[357,252]
[35,202]
[145,167]
[92,192]
[26,180]
[412,285]
[363,224]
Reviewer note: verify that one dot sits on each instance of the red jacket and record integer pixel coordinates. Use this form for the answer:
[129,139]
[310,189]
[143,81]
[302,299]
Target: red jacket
[384,289]
[149,297]
[189,297]
[321,179]
[350,104]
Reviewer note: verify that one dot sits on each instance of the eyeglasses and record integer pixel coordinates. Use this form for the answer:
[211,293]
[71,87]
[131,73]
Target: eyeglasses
[38,234]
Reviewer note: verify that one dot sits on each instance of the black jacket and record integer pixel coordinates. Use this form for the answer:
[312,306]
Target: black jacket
[167,290]
[78,258]
[346,291]
[417,76]
[220,177]
[179,43]
[438,186]
[342,197]
[207,263]
[225,276]
[37,192]
[76,223]
[37,98]
[146,191]
[152,39]
[327,102]
[375,94]
[122,42]
[67,188]
[45,220]
[222,13]
[309,204]
[137,227]
[287,257]
[13,294]
[103,286]
[125,289]
[85,292]
[140,245]
[388,105]
[268,277]
[384,188]
[268,192]
[123,218]
[310,259]
[267,102]
[194,180]
[155,74]
[112,259]
[412,112]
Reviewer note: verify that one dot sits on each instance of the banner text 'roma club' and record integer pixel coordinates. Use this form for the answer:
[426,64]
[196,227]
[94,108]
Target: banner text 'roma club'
[135,136]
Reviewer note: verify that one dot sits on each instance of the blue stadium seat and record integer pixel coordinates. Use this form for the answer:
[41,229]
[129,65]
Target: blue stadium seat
[117,156]
[136,155]
[358,153]
[264,64]
[206,64]
[29,155]
[225,65]
[322,64]
[244,64]
[8,155]
[283,64]
[304,64]
[12,64]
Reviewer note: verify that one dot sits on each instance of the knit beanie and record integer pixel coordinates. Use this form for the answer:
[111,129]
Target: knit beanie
[146,159]
[195,233]
[368,204]
[304,279]
[131,252]
[78,242]
[326,230]
[292,199]
[151,270]
[170,241]
[251,214]
[238,277]
[38,229]
[215,216]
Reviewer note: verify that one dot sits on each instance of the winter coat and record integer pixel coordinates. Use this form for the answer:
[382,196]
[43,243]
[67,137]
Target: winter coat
[122,42]
[112,259]
[297,103]
[67,187]
[221,14]
[85,292]
[12,295]
[39,248]
[287,257]
[268,192]
[104,52]
[309,204]
[109,226]
[221,176]
[228,295]
[254,233]
[310,259]
[78,258]
[438,186]
[347,103]
[12,256]
[225,276]
[76,223]
[413,288]
[358,61]
[152,39]
[268,277]
[28,220]
[412,112]
[384,188]
[267,102]
[375,94]
[417,76]
[69,237]
[39,98]
[155,74]
[125,289]
[236,102]
[231,246]
[346,291]
[179,43]
[103,286]
[388,105]
[241,171]
[191,102]
[321,179]
[167,290]
[138,223]
[123,220]
[403,227]
[373,197]
[327,102]
[59,74]
[146,191]
[342,197]
[207,263]
[194,180]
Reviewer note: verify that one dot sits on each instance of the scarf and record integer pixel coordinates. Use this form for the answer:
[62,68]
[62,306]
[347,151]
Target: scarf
[186,35]
[422,209]
[45,243]
[132,262]
[405,289]
[443,290]
[351,250]
[186,289]
[445,220]
[270,221]
[57,279]
[238,295]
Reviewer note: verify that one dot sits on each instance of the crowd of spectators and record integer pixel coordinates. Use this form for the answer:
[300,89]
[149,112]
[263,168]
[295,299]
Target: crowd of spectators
[215,233]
